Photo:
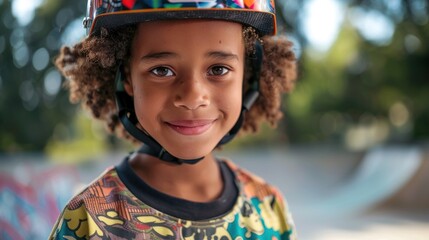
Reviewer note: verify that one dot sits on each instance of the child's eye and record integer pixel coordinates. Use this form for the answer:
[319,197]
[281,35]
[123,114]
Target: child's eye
[218,70]
[162,72]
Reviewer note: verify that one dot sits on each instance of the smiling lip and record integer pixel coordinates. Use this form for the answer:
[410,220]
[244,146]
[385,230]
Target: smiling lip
[190,127]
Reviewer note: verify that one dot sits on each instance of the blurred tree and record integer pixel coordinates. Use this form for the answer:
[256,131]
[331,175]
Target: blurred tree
[397,74]
[366,91]
[31,99]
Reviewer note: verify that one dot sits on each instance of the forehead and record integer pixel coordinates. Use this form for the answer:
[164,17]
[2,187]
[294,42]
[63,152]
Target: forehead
[189,33]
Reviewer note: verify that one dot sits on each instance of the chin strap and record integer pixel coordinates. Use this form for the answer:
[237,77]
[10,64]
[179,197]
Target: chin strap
[165,156]
[151,147]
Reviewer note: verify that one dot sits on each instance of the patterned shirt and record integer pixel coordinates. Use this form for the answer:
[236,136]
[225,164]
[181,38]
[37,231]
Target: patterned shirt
[119,205]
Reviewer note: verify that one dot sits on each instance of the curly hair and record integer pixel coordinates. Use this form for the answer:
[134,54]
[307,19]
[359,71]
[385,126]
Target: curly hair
[90,67]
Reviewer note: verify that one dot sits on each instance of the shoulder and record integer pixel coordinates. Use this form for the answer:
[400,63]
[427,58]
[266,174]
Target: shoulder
[102,186]
[77,217]
[266,199]
[252,184]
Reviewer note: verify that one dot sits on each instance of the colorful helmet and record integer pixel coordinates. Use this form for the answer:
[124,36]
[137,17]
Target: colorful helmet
[259,14]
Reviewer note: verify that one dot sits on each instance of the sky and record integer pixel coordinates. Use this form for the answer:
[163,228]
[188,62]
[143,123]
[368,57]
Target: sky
[24,10]
[321,22]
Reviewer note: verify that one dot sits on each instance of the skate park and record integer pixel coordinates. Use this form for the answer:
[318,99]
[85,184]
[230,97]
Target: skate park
[332,194]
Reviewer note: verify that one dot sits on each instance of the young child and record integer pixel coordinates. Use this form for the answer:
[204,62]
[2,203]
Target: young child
[182,77]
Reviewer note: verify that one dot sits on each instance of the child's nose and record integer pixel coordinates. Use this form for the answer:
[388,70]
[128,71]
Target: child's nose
[192,93]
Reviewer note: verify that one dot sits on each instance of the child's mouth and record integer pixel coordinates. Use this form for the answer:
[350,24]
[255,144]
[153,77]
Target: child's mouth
[191,127]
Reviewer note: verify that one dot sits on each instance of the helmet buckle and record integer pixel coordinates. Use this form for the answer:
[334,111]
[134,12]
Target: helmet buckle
[87,21]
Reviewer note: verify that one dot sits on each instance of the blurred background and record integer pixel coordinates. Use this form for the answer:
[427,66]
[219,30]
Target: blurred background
[351,154]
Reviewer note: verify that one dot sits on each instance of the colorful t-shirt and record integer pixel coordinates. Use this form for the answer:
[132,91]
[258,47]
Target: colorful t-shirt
[120,205]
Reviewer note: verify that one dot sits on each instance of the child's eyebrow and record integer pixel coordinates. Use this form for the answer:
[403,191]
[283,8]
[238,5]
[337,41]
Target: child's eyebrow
[222,55]
[212,54]
[158,55]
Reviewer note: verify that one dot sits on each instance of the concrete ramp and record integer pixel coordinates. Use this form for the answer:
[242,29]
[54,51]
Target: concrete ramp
[415,193]
[382,173]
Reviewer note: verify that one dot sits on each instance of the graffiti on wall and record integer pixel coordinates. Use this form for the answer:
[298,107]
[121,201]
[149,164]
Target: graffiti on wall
[31,200]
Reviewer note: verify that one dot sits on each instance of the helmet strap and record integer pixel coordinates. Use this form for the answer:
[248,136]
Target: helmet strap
[251,94]
[128,118]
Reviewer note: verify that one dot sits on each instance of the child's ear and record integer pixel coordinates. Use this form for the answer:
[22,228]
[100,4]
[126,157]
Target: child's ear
[128,83]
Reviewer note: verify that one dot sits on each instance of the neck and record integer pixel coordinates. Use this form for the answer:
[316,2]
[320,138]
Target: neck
[200,182]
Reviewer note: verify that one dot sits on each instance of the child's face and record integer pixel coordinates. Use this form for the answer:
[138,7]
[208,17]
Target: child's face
[186,79]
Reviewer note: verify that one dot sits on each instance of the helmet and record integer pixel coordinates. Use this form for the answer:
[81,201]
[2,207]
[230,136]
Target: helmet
[259,14]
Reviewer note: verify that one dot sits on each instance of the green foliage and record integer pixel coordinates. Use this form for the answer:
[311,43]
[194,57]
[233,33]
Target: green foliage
[31,100]
[361,93]
[83,139]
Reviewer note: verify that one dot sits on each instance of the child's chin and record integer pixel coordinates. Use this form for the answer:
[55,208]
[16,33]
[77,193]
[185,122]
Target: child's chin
[190,156]
[190,150]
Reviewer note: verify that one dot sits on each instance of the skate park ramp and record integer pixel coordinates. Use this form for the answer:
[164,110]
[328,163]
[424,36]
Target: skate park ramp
[381,173]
